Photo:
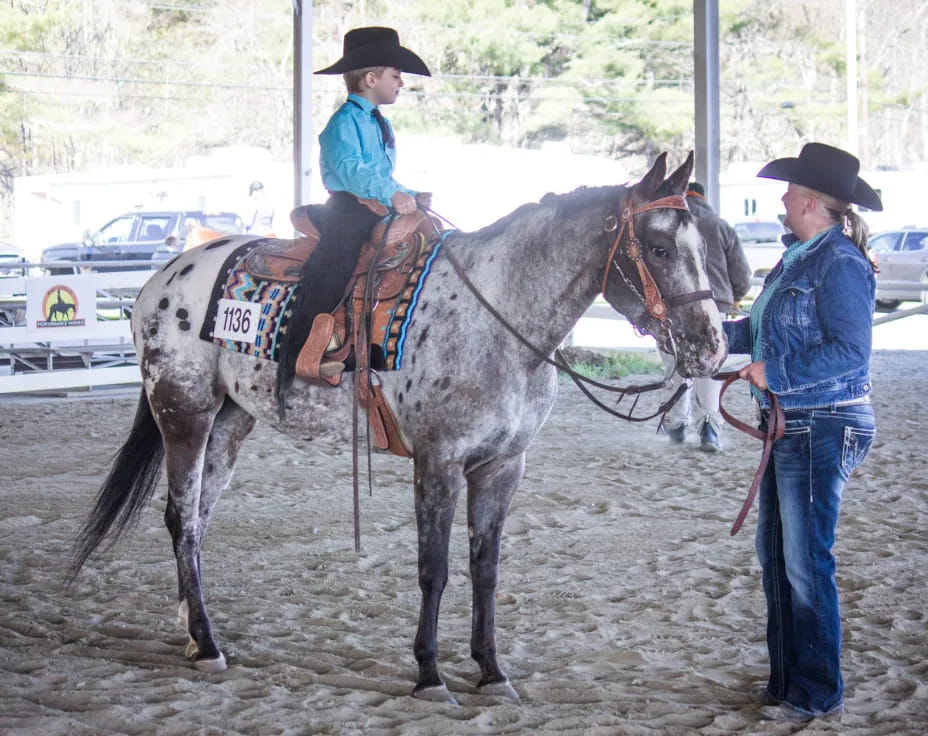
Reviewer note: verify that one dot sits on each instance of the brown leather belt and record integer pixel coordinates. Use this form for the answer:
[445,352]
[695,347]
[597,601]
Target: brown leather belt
[776,424]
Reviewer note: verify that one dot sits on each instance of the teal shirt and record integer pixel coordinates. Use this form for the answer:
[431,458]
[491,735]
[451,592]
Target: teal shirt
[353,157]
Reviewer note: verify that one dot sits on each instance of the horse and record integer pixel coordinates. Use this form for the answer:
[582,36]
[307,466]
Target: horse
[60,307]
[468,398]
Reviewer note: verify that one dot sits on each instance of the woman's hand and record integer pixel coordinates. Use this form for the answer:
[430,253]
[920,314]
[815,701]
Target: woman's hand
[754,374]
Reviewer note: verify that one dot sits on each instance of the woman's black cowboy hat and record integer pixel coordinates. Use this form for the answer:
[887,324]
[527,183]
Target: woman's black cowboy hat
[826,169]
[375,46]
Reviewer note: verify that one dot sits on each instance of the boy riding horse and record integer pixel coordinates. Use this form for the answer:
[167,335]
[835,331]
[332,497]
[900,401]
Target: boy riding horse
[357,157]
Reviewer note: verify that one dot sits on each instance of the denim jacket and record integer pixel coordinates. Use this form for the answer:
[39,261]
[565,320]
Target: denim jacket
[817,326]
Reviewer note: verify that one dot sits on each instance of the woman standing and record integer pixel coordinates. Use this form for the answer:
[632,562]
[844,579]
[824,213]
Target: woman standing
[809,337]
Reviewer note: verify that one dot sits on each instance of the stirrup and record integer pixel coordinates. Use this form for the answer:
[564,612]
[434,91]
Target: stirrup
[309,363]
[331,368]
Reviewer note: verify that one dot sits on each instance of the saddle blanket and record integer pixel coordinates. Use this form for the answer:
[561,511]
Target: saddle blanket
[250,315]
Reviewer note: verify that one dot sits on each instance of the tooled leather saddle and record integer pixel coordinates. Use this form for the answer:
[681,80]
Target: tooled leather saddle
[385,266]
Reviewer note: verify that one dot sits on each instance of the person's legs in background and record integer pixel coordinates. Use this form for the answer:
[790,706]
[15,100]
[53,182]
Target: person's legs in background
[678,416]
[709,419]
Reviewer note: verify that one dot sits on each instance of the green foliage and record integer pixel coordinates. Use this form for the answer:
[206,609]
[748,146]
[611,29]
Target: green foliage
[619,365]
[102,82]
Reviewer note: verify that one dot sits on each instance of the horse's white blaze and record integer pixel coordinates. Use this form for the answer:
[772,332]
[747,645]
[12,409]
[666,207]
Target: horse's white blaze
[688,237]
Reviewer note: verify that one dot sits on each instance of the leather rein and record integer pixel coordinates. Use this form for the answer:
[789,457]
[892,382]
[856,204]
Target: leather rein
[776,425]
[652,300]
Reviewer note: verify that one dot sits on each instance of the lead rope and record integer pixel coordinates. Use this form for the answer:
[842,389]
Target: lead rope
[776,425]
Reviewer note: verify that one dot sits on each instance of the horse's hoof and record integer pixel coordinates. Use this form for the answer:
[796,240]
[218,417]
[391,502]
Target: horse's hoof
[436,694]
[209,666]
[500,689]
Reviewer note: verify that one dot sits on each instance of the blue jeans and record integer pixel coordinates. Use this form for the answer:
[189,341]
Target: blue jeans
[800,496]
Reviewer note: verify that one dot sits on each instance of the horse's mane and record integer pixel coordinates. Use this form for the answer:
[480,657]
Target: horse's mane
[566,204]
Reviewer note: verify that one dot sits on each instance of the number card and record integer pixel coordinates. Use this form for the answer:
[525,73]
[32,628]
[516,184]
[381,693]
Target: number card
[237,320]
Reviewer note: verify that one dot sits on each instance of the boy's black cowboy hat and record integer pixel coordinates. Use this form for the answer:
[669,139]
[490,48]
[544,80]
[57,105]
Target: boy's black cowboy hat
[375,46]
[826,169]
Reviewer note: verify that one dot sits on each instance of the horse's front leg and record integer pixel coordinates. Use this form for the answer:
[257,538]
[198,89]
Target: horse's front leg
[436,491]
[489,491]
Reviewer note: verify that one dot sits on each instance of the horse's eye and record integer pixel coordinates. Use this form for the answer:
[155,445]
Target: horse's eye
[659,252]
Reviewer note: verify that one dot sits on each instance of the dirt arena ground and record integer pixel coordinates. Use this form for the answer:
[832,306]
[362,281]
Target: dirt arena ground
[624,607]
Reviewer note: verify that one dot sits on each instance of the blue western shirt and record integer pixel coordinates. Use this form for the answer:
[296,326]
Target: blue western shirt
[353,157]
[816,325]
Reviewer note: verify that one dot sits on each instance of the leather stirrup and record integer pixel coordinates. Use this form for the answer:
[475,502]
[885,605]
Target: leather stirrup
[309,362]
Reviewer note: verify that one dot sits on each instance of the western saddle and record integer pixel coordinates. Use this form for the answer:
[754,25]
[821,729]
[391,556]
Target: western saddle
[380,277]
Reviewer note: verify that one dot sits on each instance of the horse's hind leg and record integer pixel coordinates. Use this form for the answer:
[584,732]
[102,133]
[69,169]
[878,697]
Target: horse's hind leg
[437,490]
[186,434]
[489,491]
[229,430]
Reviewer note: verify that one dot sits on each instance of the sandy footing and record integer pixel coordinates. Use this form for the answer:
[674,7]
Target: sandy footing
[624,605]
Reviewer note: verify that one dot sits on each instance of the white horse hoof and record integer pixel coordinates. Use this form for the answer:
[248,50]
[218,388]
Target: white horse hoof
[437,694]
[500,689]
[210,666]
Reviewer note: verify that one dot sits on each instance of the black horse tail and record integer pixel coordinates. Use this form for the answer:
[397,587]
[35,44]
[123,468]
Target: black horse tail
[128,488]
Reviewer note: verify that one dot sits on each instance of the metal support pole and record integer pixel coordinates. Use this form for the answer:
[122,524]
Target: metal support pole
[850,14]
[302,99]
[706,67]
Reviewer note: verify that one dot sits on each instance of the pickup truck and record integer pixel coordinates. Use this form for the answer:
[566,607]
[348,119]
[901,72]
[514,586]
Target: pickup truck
[139,236]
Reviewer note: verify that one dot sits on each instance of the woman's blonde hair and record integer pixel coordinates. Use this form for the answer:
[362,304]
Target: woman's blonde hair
[852,224]
[353,78]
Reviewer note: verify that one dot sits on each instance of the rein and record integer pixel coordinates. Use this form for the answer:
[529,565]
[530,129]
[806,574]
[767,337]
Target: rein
[776,425]
[363,374]
[652,300]
[561,364]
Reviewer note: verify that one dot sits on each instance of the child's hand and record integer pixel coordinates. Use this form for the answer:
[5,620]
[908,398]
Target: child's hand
[403,203]
[424,199]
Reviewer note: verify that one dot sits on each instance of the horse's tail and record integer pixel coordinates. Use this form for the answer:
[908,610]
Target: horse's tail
[128,487]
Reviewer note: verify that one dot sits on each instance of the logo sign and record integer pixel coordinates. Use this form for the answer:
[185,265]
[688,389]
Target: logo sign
[60,306]
[237,320]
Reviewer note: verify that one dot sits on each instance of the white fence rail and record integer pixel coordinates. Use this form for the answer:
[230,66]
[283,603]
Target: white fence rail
[103,354]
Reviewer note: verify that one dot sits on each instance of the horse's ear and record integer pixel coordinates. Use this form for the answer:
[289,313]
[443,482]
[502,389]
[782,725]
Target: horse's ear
[647,187]
[679,179]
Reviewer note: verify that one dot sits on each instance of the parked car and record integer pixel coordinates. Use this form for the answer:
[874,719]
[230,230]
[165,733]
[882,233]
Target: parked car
[12,260]
[902,255]
[140,236]
[12,264]
[762,246]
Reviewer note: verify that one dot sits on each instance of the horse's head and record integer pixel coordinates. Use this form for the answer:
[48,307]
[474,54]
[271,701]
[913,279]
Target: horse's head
[656,274]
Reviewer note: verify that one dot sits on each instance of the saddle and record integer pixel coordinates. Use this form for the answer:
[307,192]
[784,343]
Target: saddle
[385,266]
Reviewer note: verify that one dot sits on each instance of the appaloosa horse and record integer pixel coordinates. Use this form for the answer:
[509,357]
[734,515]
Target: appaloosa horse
[469,397]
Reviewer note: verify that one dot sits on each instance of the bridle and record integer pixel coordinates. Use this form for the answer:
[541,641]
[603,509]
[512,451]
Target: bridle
[652,300]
